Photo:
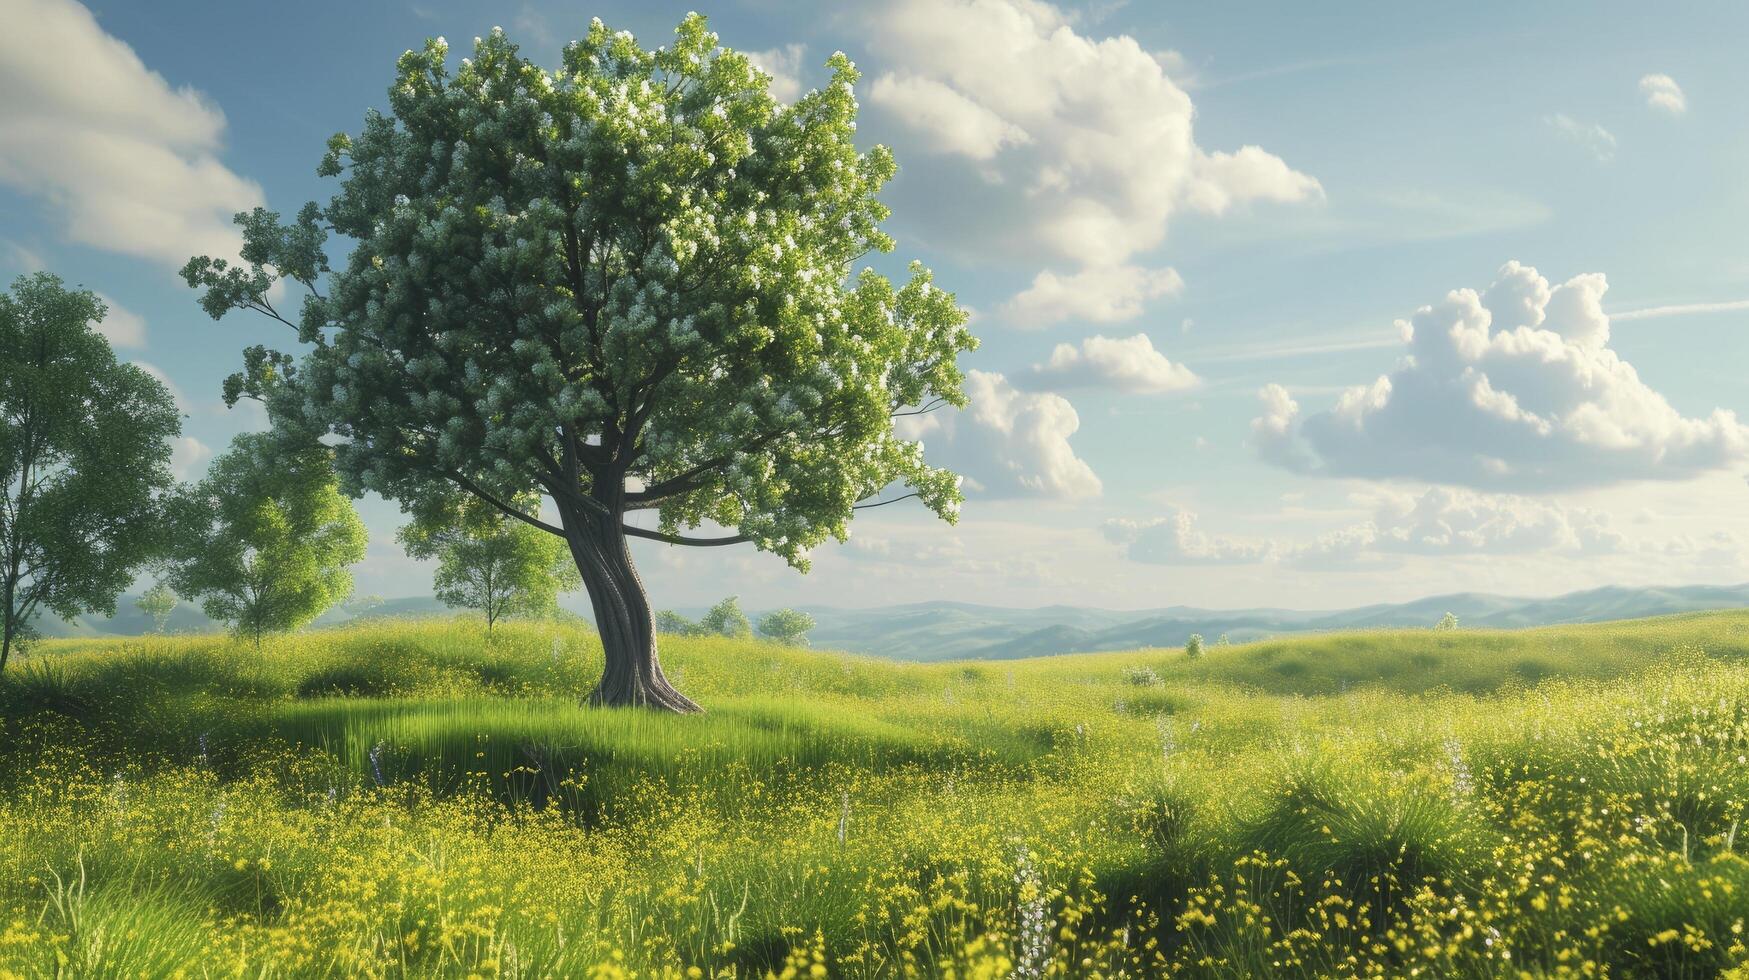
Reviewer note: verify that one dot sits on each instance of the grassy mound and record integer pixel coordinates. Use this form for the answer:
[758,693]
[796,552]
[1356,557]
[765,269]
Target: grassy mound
[413,799]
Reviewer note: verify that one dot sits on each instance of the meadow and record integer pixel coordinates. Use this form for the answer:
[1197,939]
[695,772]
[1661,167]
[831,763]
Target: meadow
[414,799]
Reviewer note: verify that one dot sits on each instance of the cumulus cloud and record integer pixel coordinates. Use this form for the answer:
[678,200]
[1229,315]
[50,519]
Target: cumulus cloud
[124,161]
[1514,389]
[1176,540]
[1445,521]
[1437,522]
[956,123]
[1106,294]
[1596,140]
[1007,442]
[121,326]
[1662,93]
[1128,364]
[784,65]
[1092,133]
[186,454]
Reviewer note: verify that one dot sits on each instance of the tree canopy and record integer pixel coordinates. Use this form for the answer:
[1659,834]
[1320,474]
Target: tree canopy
[264,541]
[84,458]
[787,626]
[627,284]
[726,619]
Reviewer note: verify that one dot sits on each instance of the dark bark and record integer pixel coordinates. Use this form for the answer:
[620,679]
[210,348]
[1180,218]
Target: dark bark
[632,674]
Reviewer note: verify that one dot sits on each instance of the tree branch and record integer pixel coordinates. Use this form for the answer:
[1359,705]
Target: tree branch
[924,410]
[509,511]
[883,503]
[639,532]
[687,480]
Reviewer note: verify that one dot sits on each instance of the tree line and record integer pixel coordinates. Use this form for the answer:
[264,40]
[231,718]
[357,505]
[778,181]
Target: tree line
[634,283]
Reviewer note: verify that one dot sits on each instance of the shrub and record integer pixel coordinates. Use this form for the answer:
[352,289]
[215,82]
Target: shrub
[1142,676]
[1447,622]
[1193,649]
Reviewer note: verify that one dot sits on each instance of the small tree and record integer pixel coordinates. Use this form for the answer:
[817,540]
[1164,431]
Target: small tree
[1447,622]
[669,621]
[1223,640]
[265,540]
[487,561]
[84,459]
[1193,648]
[787,626]
[726,619]
[631,283]
[158,602]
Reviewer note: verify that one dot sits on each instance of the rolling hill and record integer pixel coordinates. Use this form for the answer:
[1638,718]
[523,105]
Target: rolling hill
[933,631]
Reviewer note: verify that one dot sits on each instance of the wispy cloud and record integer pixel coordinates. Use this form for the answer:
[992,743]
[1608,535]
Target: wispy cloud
[1264,350]
[1593,137]
[1681,309]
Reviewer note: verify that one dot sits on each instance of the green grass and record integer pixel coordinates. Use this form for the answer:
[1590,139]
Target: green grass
[411,799]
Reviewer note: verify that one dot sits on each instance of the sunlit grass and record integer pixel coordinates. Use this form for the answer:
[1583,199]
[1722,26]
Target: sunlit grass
[413,799]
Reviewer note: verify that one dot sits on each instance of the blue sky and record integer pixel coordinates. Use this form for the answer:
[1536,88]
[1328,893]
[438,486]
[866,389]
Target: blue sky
[1263,190]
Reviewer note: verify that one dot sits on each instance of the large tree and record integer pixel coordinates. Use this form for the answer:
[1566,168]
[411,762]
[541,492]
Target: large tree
[84,457]
[623,285]
[491,562]
[264,541]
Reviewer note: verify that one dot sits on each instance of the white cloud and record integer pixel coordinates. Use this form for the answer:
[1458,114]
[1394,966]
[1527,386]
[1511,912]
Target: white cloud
[1438,522]
[1178,68]
[1106,294]
[1444,521]
[784,65]
[956,123]
[1092,131]
[187,453]
[1512,389]
[1596,140]
[1662,93]
[1007,442]
[1129,364]
[122,326]
[1681,309]
[127,163]
[1175,540]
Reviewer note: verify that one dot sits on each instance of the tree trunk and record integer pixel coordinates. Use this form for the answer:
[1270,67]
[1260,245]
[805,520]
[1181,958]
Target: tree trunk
[631,675]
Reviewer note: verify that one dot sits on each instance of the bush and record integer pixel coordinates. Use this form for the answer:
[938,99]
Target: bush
[1447,622]
[1142,676]
[1193,649]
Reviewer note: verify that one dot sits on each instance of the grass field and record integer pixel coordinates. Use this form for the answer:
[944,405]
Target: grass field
[409,799]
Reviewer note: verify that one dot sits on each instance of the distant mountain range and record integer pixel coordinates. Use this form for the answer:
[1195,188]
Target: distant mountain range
[958,630]
[950,630]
